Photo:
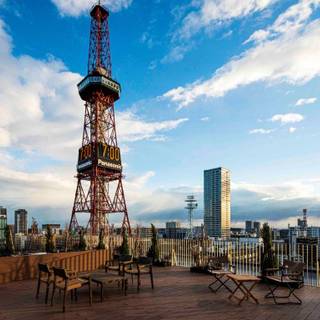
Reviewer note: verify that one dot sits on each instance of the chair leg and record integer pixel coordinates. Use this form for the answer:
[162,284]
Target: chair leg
[151,278]
[38,288]
[125,286]
[75,294]
[47,293]
[139,282]
[52,296]
[90,293]
[64,300]
[101,292]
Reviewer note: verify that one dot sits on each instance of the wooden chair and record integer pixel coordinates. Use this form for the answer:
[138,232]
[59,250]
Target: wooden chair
[142,266]
[118,263]
[45,276]
[290,276]
[64,282]
[220,267]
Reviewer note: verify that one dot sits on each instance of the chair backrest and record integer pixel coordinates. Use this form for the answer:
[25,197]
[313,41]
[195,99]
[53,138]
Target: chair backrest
[43,268]
[218,263]
[125,258]
[144,261]
[294,267]
[60,272]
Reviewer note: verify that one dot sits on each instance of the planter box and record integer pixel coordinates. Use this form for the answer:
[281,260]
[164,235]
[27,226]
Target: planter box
[26,267]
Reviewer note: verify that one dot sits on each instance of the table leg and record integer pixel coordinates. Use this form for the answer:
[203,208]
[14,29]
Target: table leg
[101,292]
[248,293]
[245,291]
[235,290]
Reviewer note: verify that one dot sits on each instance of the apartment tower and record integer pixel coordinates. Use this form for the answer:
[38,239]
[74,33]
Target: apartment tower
[21,221]
[217,211]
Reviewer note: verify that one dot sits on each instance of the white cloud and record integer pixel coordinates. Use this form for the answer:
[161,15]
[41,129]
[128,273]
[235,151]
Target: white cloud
[132,128]
[176,54]
[4,138]
[290,56]
[258,36]
[205,119]
[210,13]
[261,131]
[304,101]
[287,118]
[292,129]
[207,15]
[289,190]
[293,19]
[77,7]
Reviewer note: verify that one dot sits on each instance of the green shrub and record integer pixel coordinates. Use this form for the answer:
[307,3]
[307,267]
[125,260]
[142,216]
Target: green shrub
[153,251]
[50,241]
[124,249]
[82,241]
[101,245]
[268,259]
[9,244]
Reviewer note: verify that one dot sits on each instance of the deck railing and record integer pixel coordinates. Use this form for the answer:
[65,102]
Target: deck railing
[244,253]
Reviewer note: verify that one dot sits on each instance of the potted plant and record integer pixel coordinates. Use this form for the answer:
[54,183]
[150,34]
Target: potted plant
[82,241]
[153,251]
[9,244]
[124,248]
[101,245]
[50,241]
[268,259]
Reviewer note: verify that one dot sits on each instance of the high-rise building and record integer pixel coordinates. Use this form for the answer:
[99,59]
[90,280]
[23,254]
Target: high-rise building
[21,221]
[172,228]
[249,226]
[3,222]
[217,202]
[257,227]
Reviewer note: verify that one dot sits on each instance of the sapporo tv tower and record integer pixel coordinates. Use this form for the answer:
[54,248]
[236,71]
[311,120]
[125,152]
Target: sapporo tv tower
[99,189]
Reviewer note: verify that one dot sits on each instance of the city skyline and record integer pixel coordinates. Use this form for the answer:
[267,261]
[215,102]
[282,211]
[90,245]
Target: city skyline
[186,105]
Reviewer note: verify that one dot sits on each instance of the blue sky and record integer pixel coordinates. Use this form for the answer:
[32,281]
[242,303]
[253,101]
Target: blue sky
[205,83]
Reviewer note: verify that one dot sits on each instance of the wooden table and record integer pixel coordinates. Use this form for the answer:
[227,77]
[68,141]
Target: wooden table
[219,276]
[101,278]
[240,281]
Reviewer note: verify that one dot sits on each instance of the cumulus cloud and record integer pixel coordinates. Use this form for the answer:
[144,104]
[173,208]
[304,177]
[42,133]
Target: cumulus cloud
[78,7]
[304,101]
[292,129]
[261,131]
[287,118]
[290,55]
[41,128]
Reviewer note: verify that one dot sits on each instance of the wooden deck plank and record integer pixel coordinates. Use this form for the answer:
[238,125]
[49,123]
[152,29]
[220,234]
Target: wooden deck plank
[178,294]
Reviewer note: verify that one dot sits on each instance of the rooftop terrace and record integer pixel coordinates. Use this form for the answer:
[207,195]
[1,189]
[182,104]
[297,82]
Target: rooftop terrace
[178,294]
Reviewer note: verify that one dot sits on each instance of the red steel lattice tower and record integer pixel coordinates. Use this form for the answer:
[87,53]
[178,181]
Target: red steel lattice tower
[99,189]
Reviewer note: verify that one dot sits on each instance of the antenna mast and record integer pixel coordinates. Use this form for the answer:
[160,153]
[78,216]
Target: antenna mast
[191,205]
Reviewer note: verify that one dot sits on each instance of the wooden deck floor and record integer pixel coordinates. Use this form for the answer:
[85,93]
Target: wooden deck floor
[178,294]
